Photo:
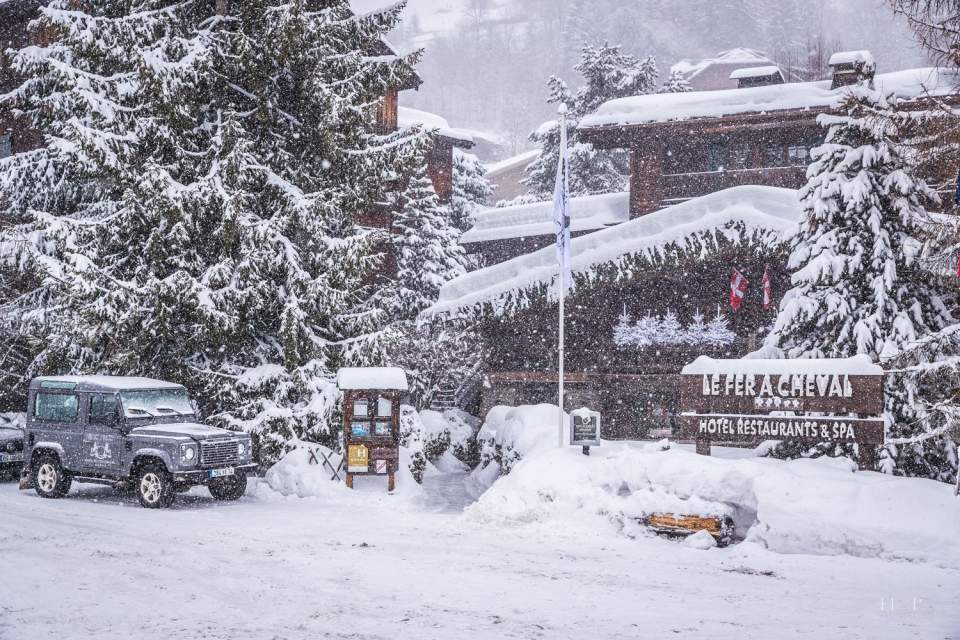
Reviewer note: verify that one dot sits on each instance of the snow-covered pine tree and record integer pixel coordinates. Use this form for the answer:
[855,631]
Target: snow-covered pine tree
[471,190]
[608,74]
[858,287]
[676,83]
[670,333]
[425,246]
[193,215]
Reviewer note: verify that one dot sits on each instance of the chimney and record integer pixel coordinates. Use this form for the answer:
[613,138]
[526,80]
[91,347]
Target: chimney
[757,76]
[852,67]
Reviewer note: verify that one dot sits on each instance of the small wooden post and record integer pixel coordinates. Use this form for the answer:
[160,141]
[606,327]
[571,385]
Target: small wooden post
[703,446]
[391,482]
[349,481]
[867,457]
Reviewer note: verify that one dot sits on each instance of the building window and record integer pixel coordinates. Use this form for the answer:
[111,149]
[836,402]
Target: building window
[798,155]
[773,156]
[6,145]
[716,156]
[740,156]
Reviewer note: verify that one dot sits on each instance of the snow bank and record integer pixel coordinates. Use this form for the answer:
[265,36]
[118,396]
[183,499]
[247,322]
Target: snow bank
[746,209]
[817,96]
[296,475]
[819,507]
[587,213]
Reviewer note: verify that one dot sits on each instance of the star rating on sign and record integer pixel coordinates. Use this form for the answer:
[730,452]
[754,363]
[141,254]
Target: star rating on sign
[776,402]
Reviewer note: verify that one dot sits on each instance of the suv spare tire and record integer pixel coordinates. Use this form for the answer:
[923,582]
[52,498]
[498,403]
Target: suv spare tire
[154,486]
[229,488]
[49,478]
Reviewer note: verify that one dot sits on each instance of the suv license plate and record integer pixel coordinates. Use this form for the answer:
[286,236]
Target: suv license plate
[219,473]
[11,457]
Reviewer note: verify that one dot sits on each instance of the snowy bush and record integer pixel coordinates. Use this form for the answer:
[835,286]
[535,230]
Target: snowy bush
[427,436]
[509,434]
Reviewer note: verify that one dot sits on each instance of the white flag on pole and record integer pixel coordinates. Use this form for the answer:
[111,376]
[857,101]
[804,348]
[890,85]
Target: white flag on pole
[561,209]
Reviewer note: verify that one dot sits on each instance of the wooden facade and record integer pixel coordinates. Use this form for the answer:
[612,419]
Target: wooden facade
[671,162]
[15,134]
[637,390]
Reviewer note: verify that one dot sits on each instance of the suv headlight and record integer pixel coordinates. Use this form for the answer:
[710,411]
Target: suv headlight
[188,453]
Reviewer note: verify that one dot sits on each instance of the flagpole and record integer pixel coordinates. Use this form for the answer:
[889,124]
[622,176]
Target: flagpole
[560,280]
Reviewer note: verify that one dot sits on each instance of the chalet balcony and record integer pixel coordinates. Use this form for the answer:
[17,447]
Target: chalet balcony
[676,187]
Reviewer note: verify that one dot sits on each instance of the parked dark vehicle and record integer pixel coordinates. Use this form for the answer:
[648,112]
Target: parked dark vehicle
[128,432]
[11,448]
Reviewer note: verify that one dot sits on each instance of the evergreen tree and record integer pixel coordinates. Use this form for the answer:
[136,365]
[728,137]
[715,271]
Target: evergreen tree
[676,83]
[858,287]
[608,74]
[193,215]
[471,190]
[426,248]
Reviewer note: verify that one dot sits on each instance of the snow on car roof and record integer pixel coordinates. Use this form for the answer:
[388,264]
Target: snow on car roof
[587,213]
[381,378]
[665,107]
[407,117]
[856,366]
[106,383]
[758,208]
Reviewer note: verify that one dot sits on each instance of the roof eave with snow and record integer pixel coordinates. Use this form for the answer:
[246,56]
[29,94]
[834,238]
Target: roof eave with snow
[756,208]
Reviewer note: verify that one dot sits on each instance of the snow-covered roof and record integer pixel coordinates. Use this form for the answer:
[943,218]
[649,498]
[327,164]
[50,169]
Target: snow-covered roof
[111,383]
[850,57]
[754,72]
[407,117]
[738,56]
[856,366]
[587,213]
[757,208]
[380,378]
[664,107]
[523,159]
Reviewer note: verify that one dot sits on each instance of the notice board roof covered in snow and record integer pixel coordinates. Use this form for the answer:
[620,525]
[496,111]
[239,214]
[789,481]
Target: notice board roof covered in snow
[378,378]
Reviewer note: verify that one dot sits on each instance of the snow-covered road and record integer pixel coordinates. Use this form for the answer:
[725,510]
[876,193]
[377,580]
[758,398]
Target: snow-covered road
[365,565]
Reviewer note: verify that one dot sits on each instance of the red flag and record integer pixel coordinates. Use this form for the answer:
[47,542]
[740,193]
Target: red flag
[958,265]
[738,289]
[767,289]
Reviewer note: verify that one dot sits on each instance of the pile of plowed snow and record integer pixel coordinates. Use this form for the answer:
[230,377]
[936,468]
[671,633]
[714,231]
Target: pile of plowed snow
[821,506]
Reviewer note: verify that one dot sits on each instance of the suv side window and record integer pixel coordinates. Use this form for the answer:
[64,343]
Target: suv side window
[56,407]
[103,407]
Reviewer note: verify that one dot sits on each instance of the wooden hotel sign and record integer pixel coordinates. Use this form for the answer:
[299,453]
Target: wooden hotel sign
[744,402]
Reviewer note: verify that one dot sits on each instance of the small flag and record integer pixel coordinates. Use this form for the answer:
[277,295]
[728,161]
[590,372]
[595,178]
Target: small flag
[738,289]
[956,194]
[767,289]
[561,210]
[958,265]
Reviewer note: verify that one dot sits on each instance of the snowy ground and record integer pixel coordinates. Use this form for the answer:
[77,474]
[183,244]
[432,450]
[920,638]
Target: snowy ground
[367,565]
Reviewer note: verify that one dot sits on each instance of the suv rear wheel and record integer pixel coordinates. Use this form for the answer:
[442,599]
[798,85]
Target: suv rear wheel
[49,478]
[154,486]
[229,488]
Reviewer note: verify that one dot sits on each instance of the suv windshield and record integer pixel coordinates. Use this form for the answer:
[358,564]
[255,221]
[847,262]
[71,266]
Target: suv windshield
[156,402]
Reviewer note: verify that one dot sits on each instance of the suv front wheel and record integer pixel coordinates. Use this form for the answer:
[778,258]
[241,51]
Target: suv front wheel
[154,486]
[229,488]
[49,478]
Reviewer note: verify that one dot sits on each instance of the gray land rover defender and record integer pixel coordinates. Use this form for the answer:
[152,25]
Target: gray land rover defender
[127,432]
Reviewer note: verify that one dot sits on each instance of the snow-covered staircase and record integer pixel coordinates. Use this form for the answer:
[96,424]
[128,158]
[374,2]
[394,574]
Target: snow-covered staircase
[444,398]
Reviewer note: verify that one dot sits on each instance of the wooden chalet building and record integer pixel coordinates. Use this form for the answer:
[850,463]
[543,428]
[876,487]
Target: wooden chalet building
[686,145]
[713,186]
